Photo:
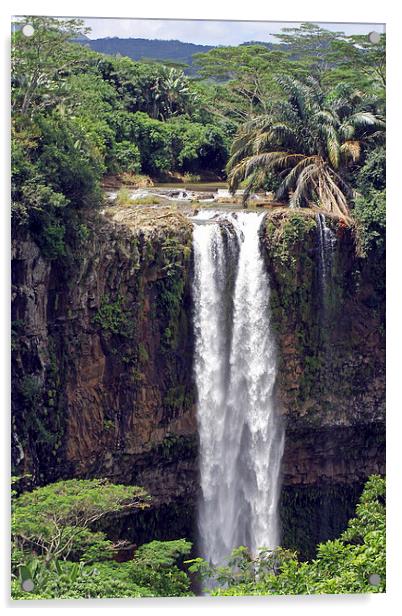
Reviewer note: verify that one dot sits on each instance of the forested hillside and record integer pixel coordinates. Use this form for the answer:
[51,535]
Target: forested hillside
[145,49]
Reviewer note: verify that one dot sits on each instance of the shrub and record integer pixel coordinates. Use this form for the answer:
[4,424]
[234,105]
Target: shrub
[127,157]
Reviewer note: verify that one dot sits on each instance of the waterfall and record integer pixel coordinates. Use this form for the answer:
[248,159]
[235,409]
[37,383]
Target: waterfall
[327,241]
[241,436]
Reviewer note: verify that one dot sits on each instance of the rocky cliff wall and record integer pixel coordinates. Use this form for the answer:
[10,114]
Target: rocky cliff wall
[328,312]
[103,377]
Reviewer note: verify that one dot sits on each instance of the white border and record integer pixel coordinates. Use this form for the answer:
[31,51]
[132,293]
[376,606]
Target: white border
[291,10]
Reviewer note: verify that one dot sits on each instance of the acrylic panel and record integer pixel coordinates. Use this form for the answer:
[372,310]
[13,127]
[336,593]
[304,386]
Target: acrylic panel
[198,308]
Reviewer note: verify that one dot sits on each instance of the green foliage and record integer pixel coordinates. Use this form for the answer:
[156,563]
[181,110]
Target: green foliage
[292,231]
[124,197]
[30,389]
[158,91]
[341,566]
[240,80]
[108,424]
[149,200]
[68,159]
[333,57]
[248,73]
[78,115]
[312,141]
[171,290]
[175,397]
[55,520]
[56,549]
[311,45]
[127,157]
[47,580]
[56,164]
[177,143]
[359,61]
[143,356]
[155,566]
[372,174]
[52,241]
[370,206]
[370,216]
[197,146]
[42,62]
[241,567]
[113,318]
[153,572]
[191,177]
[68,580]
[174,447]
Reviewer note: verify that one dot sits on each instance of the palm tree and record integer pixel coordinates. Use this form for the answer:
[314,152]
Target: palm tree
[311,142]
[171,94]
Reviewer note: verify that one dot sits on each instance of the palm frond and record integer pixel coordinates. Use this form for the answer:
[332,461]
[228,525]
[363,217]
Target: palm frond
[333,146]
[325,116]
[331,197]
[304,140]
[346,131]
[297,91]
[303,186]
[351,149]
[266,161]
[290,181]
[366,118]
[279,134]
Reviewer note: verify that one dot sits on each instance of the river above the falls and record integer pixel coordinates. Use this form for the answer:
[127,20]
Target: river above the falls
[203,193]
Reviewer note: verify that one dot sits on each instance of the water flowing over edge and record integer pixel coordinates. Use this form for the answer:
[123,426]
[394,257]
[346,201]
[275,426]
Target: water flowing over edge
[241,435]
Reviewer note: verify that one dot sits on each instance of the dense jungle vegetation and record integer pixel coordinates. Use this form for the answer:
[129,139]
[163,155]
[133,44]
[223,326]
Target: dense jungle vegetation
[58,545]
[304,119]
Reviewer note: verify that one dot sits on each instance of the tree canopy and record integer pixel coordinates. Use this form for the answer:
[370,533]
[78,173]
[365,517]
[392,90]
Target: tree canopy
[56,519]
[157,569]
[312,141]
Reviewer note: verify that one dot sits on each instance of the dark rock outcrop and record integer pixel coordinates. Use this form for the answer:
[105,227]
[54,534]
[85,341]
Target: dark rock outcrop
[331,373]
[102,376]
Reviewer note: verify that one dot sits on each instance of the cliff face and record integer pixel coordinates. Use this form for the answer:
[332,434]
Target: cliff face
[103,376]
[328,312]
[102,379]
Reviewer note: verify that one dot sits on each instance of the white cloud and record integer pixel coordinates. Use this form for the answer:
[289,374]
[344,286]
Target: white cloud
[205,32]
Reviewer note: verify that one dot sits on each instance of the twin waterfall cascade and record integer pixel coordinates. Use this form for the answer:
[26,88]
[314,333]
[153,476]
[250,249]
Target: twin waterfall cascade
[241,435]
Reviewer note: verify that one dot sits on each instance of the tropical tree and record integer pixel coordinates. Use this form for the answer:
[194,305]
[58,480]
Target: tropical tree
[172,94]
[57,519]
[154,571]
[243,78]
[58,550]
[310,142]
[311,46]
[360,61]
[42,62]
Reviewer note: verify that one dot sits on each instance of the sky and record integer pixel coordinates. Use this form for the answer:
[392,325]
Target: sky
[206,32]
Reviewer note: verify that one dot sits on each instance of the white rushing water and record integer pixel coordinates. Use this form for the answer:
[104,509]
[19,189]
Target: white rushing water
[327,242]
[241,437]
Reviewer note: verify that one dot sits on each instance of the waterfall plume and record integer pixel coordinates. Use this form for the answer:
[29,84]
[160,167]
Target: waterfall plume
[241,435]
